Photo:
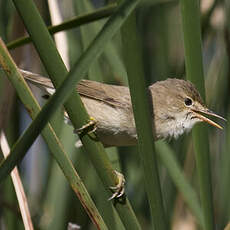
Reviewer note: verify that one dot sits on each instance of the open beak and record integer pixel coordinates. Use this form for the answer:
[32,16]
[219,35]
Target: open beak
[198,114]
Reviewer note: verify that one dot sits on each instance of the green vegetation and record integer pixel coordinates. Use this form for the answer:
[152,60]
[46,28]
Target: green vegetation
[169,184]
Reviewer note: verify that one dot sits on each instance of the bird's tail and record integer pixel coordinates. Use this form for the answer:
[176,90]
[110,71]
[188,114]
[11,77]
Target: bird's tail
[39,81]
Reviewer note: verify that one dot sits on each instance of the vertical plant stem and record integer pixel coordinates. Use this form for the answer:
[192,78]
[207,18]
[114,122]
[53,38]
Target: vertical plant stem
[167,156]
[141,105]
[194,71]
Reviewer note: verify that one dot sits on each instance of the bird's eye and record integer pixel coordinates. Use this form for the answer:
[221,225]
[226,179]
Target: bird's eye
[188,101]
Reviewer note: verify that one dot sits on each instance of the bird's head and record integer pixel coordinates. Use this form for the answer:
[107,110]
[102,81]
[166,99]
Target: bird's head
[177,107]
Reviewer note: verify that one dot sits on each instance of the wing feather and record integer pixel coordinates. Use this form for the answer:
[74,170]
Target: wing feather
[111,94]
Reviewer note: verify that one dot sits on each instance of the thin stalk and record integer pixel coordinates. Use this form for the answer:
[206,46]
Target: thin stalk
[194,72]
[19,190]
[74,106]
[81,20]
[141,105]
[167,156]
[96,73]
[50,137]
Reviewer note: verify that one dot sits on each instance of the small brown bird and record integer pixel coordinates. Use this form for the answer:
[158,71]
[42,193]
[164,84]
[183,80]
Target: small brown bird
[177,107]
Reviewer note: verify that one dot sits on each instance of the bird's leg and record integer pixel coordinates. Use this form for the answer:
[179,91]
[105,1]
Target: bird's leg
[119,189]
[88,128]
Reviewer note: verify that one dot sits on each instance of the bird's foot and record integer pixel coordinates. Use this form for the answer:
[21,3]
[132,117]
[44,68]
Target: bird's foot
[88,128]
[119,189]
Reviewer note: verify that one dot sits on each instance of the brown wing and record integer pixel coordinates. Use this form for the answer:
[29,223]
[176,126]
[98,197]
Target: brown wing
[110,94]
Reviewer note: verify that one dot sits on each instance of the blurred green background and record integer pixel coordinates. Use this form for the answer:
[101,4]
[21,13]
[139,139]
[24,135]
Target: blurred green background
[52,202]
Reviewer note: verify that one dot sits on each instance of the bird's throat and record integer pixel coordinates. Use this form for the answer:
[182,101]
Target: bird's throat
[179,126]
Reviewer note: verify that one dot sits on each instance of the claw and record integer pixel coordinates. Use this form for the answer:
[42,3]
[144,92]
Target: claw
[88,128]
[119,189]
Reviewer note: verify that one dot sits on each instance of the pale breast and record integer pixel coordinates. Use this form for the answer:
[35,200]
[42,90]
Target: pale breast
[173,128]
[115,125]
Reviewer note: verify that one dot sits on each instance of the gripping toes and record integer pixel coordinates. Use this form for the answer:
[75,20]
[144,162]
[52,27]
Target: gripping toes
[119,189]
[88,128]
